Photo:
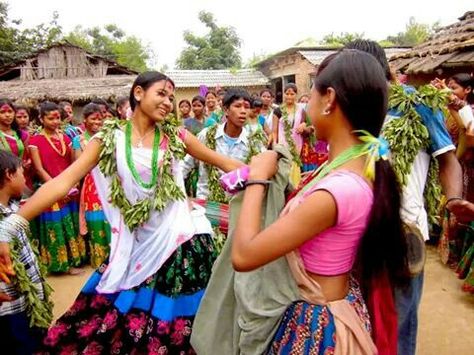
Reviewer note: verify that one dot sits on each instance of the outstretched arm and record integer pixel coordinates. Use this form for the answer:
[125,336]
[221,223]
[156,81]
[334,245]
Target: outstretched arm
[253,247]
[199,151]
[58,187]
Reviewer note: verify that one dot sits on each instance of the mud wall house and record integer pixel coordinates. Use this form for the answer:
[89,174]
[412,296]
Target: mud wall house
[449,51]
[298,65]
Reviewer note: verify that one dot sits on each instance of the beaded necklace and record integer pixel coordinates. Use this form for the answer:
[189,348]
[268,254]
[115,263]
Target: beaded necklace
[154,158]
[63,151]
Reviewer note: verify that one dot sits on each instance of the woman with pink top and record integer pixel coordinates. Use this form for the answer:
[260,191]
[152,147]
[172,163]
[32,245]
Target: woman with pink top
[343,222]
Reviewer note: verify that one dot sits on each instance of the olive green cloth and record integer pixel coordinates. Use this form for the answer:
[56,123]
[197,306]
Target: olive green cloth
[240,311]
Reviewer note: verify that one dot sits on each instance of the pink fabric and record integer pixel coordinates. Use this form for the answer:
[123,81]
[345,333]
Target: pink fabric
[333,251]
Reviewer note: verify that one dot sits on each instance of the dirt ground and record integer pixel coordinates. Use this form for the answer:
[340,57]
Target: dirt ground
[446,313]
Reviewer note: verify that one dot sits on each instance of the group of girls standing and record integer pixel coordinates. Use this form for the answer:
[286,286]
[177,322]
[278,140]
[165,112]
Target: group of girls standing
[47,149]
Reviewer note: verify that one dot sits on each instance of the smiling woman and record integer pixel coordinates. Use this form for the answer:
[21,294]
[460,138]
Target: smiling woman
[146,293]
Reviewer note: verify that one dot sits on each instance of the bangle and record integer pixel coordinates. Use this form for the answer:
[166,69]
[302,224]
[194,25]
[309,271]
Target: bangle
[257,182]
[451,199]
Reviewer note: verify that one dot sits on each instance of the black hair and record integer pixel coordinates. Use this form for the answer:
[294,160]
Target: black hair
[292,87]
[464,80]
[221,91]
[256,103]
[46,107]
[211,92]
[90,108]
[122,101]
[362,95]
[14,125]
[9,163]
[267,90]
[145,80]
[184,101]
[61,106]
[235,94]
[18,107]
[375,49]
[199,98]
[99,101]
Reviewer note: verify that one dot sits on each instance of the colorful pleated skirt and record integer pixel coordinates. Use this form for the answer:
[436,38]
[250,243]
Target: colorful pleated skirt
[154,318]
[57,228]
[309,328]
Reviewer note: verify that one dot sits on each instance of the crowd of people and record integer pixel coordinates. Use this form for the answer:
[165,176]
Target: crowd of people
[141,192]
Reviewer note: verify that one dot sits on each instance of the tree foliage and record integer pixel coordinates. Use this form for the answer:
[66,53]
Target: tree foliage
[218,49]
[415,33]
[16,43]
[341,39]
[110,41]
[114,44]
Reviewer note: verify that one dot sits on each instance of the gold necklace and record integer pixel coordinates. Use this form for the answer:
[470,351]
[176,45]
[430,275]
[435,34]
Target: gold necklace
[62,153]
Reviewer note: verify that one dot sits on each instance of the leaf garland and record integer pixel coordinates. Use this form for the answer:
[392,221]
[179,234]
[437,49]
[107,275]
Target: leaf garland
[40,311]
[288,128]
[408,135]
[135,215]
[216,192]
[256,140]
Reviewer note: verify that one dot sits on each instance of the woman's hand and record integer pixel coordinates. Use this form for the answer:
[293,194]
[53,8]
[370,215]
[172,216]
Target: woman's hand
[301,128]
[264,166]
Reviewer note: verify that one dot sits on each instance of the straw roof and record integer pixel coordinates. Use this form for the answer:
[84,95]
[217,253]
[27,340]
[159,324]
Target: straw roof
[74,90]
[112,86]
[451,46]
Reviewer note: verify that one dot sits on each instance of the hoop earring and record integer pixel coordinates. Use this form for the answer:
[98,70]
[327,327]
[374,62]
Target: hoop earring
[326,112]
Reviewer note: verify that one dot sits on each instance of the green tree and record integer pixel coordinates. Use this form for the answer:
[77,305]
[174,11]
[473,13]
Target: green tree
[255,59]
[218,49]
[114,44]
[16,43]
[415,33]
[341,39]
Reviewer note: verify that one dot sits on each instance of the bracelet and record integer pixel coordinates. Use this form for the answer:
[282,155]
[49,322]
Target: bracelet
[451,199]
[257,182]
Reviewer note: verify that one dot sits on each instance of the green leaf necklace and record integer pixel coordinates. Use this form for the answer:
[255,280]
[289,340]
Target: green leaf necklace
[138,213]
[154,157]
[288,127]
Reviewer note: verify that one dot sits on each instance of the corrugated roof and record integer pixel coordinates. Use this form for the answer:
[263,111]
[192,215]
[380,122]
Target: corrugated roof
[212,78]
[315,57]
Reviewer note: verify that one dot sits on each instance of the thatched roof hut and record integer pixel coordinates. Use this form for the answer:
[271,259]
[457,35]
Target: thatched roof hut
[62,61]
[449,51]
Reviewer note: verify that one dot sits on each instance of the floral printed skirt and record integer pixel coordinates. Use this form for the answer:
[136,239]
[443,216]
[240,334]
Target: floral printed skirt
[153,318]
[309,329]
[57,229]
